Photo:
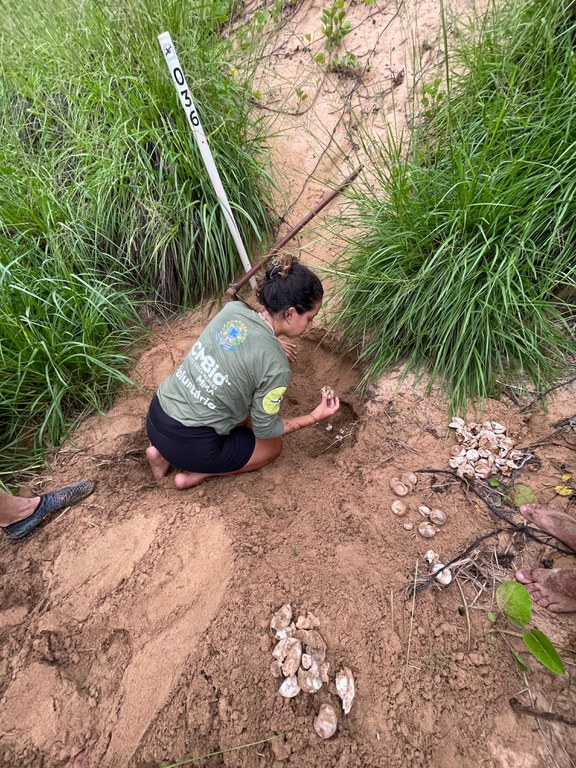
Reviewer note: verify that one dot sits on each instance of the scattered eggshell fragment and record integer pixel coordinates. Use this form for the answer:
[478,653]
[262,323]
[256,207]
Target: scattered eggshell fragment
[399,508]
[326,722]
[437,516]
[307,622]
[424,510]
[408,526]
[290,631]
[315,645]
[276,668]
[281,618]
[281,649]
[457,423]
[346,688]
[427,530]
[431,557]
[310,680]
[290,687]
[328,391]
[293,656]
[398,487]
[324,670]
[409,479]
[445,575]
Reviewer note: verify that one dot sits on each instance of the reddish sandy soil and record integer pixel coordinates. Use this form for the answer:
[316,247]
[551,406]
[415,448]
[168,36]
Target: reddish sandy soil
[134,627]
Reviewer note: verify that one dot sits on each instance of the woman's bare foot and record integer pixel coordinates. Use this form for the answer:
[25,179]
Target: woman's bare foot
[552,588]
[183,480]
[158,463]
[552,521]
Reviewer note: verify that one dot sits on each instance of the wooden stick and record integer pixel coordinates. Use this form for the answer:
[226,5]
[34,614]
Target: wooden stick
[235,287]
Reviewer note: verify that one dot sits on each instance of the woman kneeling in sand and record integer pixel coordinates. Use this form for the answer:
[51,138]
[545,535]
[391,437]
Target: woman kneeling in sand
[236,370]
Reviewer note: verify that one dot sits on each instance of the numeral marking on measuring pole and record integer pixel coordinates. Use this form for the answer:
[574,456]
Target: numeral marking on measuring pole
[183,91]
[180,82]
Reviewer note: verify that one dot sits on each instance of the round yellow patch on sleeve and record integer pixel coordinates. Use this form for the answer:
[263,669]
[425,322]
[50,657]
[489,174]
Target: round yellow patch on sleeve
[271,401]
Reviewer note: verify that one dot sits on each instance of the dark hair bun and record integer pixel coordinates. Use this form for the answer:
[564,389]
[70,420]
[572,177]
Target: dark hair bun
[287,283]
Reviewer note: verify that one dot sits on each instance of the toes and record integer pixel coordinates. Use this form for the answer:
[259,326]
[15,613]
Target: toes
[524,577]
[527,511]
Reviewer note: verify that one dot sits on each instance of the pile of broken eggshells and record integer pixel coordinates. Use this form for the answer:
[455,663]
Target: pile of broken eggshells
[484,450]
[300,657]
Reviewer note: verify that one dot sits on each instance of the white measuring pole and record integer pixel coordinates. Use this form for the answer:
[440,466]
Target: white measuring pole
[181,86]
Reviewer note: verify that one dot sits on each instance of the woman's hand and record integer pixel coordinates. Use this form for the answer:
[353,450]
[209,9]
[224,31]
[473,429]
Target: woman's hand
[289,348]
[327,407]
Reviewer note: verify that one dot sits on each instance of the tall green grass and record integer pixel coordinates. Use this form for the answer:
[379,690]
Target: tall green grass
[97,145]
[463,263]
[65,342]
[104,199]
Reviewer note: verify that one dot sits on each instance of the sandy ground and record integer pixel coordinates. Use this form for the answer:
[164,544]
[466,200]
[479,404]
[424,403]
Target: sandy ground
[135,627]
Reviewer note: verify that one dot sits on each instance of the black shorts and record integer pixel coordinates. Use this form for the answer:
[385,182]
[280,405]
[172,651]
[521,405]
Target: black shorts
[198,449]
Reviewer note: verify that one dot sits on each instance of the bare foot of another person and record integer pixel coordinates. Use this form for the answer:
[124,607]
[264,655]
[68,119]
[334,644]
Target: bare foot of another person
[184,480]
[552,588]
[158,463]
[552,521]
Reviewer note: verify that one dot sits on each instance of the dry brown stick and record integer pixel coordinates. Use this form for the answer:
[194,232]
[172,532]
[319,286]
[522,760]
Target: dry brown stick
[460,556]
[542,395]
[522,709]
[235,287]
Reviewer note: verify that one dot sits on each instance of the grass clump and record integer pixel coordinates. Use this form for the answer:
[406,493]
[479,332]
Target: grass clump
[65,338]
[104,199]
[463,260]
[97,145]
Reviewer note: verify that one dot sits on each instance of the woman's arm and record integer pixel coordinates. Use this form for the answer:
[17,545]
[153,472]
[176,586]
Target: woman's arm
[327,408]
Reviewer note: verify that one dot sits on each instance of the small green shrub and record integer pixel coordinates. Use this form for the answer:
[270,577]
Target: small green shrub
[516,605]
[348,64]
[335,26]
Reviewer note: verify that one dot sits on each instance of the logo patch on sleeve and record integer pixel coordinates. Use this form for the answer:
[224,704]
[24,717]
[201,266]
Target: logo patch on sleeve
[271,401]
[231,334]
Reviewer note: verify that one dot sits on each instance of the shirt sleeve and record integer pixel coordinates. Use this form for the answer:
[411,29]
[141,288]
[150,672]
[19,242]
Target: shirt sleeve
[266,421]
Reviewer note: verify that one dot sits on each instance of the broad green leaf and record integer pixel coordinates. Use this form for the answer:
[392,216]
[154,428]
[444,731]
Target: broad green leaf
[514,601]
[520,663]
[491,617]
[494,482]
[523,494]
[542,649]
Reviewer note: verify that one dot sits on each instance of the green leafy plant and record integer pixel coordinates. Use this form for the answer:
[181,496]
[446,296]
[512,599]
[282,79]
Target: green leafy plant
[431,97]
[515,603]
[348,64]
[523,494]
[335,26]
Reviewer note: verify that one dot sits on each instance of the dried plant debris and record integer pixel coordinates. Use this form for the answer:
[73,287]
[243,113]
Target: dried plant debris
[485,450]
[299,659]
